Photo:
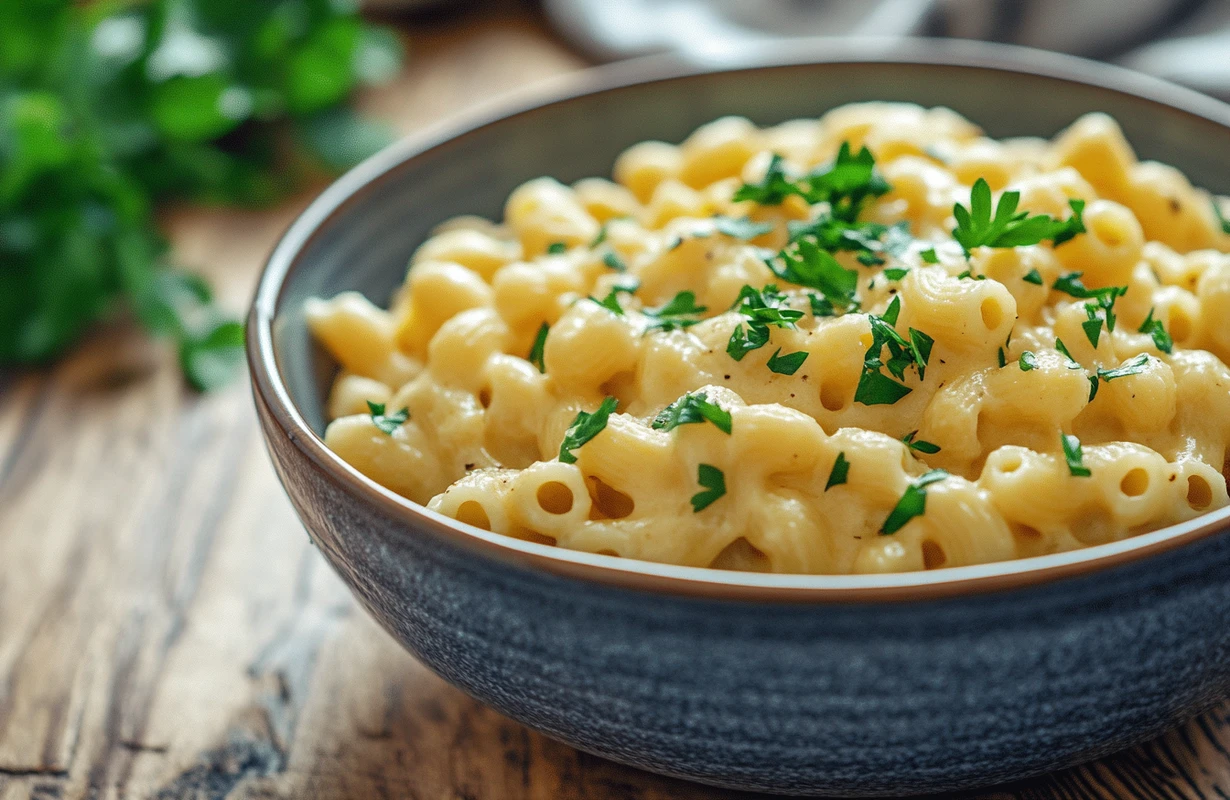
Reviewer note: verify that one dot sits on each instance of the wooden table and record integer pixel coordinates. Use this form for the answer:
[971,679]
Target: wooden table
[167,631]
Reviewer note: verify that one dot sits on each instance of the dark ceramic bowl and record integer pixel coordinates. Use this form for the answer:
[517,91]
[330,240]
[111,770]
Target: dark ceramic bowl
[822,685]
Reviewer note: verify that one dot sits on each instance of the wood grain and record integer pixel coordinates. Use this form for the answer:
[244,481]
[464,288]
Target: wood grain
[167,631]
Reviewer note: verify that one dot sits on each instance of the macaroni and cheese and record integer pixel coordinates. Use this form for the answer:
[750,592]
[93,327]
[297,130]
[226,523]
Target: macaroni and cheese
[874,342]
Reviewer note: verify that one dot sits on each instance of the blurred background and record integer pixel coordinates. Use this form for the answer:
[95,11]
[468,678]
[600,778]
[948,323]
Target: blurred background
[166,629]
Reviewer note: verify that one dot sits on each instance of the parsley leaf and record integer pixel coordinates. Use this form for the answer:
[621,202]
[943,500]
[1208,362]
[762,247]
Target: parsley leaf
[999,356]
[601,237]
[1063,348]
[929,256]
[680,312]
[820,305]
[875,388]
[1074,456]
[742,228]
[692,407]
[1093,386]
[1134,367]
[845,184]
[892,312]
[920,445]
[1154,328]
[387,422]
[713,482]
[1071,284]
[1093,325]
[743,341]
[913,503]
[787,364]
[772,189]
[805,264]
[612,260]
[1033,276]
[585,427]
[1009,228]
[610,302]
[767,306]
[895,274]
[841,469]
[1027,361]
[1225,223]
[540,343]
[555,248]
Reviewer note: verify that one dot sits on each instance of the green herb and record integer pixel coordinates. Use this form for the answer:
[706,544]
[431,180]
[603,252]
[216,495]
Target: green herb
[713,482]
[841,470]
[871,241]
[1027,361]
[875,388]
[1063,348]
[692,408]
[892,312]
[612,260]
[766,306]
[387,422]
[585,427]
[920,445]
[681,312]
[1134,367]
[627,284]
[895,274]
[772,189]
[787,364]
[1093,386]
[610,302]
[1003,362]
[1225,223]
[745,340]
[929,256]
[600,237]
[820,305]
[1073,455]
[1009,228]
[1034,277]
[1104,300]
[555,248]
[913,502]
[1154,328]
[805,264]
[742,228]
[540,343]
[110,109]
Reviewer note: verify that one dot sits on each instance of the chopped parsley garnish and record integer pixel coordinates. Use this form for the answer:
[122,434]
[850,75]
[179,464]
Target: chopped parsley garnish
[895,274]
[1093,325]
[1027,361]
[999,356]
[871,241]
[555,248]
[387,422]
[610,302]
[762,308]
[1103,301]
[1071,284]
[692,407]
[585,427]
[929,256]
[743,228]
[787,364]
[967,275]
[612,260]
[1010,228]
[805,264]
[1225,223]
[1063,348]
[1134,367]
[1154,328]
[743,341]
[1033,276]
[919,445]
[1073,455]
[1093,386]
[913,503]
[681,312]
[875,388]
[540,343]
[713,482]
[820,305]
[845,184]
[841,469]
[601,237]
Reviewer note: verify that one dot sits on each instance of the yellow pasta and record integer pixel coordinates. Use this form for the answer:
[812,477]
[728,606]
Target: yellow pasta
[775,350]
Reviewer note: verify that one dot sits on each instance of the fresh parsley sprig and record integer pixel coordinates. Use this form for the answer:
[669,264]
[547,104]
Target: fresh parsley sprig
[1074,456]
[713,482]
[693,407]
[761,309]
[1010,228]
[845,185]
[875,388]
[1155,328]
[387,422]
[913,502]
[804,263]
[919,445]
[585,426]
[679,312]
[1134,367]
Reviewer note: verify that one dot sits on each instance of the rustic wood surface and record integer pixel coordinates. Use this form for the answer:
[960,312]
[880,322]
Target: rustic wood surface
[166,630]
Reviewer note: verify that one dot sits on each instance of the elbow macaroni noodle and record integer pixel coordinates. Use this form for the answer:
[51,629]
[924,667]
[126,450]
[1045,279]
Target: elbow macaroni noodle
[809,475]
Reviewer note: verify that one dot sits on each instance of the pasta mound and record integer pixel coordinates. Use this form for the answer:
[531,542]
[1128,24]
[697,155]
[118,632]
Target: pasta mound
[873,342]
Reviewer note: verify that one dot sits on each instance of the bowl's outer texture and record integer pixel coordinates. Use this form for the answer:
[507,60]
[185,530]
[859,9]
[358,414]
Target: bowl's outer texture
[810,698]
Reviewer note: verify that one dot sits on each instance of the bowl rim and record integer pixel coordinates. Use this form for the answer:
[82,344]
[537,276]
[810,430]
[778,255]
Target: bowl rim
[274,401]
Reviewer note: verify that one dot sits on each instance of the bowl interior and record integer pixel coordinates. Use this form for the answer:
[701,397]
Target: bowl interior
[367,239]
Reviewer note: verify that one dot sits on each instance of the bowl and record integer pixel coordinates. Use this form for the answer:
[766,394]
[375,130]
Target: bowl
[814,685]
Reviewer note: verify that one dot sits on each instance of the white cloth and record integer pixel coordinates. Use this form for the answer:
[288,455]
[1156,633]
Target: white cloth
[1186,41]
